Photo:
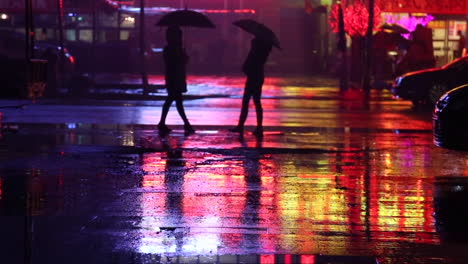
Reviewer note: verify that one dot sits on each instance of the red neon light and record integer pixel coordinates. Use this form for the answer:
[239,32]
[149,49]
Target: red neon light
[216,11]
[308,259]
[252,11]
[267,259]
[288,259]
[116,2]
[225,11]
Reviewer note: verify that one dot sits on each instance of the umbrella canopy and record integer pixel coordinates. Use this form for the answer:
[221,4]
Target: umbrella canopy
[187,18]
[394,28]
[259,30]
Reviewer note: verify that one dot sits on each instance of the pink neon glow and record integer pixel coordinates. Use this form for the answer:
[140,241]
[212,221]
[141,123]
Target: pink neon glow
[408,22]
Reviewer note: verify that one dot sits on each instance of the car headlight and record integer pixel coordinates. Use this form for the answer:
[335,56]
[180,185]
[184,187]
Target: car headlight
[442,103]
[398,81]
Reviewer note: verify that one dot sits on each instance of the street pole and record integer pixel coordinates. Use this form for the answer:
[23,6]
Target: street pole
[144,75]
[28,42]
[61,53]
[32,33]
[342,48]
[93,43]
[27,30]
[368,53]
[326,42]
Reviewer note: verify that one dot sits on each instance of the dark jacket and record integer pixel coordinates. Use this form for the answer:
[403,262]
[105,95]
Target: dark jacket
[175,60]
[257,57]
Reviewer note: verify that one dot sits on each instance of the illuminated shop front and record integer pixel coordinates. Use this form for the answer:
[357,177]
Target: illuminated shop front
[444,17]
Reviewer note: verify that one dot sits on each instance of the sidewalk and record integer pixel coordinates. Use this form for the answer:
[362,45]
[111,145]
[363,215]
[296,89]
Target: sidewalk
[129,86]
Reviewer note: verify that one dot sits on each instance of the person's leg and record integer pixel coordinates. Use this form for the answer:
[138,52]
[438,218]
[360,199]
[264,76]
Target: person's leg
[164,112]
[257,94]
[258,109]
[244,108]
[243,114]
[181,110]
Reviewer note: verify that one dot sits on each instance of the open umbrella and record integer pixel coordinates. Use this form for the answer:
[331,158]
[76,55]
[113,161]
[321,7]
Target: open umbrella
[187,18]
[394,28]
[259,30]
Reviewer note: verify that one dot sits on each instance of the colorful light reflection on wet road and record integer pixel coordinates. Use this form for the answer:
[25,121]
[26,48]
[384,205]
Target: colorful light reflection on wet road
[326,179]
[314,203]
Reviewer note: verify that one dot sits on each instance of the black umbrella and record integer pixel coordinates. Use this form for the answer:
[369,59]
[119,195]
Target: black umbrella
[187,18]
[259,30]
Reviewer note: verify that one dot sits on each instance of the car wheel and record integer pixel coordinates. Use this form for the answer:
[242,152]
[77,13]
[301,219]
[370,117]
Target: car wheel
[436,91]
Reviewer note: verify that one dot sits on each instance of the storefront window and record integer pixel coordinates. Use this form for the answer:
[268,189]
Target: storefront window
[86,35]
[454,27]
[124,34]
[70,34]
[108,35]
[127,21]
[44,34]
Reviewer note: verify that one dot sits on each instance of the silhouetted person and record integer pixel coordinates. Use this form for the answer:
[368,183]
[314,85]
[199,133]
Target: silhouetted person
[253,67]
[460,45]
[420,54]
[175,60]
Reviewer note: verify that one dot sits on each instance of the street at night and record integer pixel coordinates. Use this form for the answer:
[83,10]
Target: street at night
[233,132]
[331,181]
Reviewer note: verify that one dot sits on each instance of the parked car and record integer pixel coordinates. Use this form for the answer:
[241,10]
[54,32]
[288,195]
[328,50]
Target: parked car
[427,86]
[14,46]
[450,119]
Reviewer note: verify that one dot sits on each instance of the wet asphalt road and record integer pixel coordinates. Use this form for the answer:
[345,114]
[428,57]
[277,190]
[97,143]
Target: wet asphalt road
[332,181]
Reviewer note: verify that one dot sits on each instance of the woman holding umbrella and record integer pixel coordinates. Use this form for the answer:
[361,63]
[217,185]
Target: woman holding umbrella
[175,60]
[253,67]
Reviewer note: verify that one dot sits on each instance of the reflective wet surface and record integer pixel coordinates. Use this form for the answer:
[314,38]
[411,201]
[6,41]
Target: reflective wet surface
[330,182]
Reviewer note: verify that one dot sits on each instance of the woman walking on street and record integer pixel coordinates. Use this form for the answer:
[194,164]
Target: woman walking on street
[253,67]
[175,60]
